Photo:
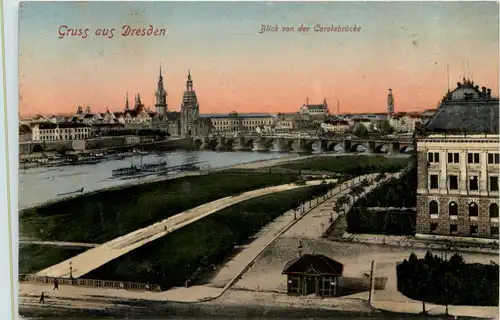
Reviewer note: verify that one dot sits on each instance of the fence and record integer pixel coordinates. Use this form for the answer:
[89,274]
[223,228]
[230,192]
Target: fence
[108,284]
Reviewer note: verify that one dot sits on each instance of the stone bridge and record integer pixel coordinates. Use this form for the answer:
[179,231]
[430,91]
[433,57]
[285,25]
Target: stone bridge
[390,145]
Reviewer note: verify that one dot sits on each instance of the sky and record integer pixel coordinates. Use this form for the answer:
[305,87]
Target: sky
[405,46]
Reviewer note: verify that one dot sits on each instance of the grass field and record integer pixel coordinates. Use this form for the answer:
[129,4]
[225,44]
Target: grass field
[102,216]
[355,165]
[192,250]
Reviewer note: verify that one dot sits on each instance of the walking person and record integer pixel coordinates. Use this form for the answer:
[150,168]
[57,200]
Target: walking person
[56,284]
[42,298]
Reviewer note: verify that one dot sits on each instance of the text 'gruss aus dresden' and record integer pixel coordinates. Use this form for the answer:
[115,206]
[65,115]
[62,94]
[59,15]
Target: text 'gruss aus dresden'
[126,31]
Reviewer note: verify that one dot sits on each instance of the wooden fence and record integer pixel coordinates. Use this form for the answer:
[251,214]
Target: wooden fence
[108,284]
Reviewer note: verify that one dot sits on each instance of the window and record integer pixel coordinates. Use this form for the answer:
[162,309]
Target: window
[473,158]
[493,158]
[434,226]
[473,183]
[453,182]
[493,210]
[434,181]
[473,230]
[473,212]
[433,157]
[493,183]
[494,231]
[453,209]
[433,207]
[453,228]
[453,157]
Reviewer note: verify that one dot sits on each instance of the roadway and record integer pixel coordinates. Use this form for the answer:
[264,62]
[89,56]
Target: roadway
[98,256]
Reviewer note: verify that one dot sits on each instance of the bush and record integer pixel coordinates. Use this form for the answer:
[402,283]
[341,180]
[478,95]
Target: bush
[354,165]
[399,193]
[452,281]
[176,257]
[107,214]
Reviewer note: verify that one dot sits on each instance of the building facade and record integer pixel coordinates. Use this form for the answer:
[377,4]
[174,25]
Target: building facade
[61,131]
[239,122]
[315,111]
[313,274]
[458,162]
[403,122]
[190,109]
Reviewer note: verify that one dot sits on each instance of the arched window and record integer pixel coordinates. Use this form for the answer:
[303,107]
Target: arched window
[473,211]
[493,210]
[453,209]
[433,207]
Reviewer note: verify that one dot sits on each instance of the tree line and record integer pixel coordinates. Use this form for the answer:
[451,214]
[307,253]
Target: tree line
[448,282]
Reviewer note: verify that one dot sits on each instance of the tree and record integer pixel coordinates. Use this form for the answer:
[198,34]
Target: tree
[386,128]
[360,131]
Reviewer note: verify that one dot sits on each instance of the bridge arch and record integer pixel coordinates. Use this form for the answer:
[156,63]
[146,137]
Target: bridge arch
[334,146]
[355,146]
[37,148]
[406,149]
[381,148]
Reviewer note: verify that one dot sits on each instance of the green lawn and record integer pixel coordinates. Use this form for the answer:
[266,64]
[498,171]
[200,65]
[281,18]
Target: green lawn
[356,165]
[33,258]
[98,217]
[172,259]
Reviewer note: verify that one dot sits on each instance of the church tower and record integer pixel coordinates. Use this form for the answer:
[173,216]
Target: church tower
[390,104]
[161,97]
[190,109]
[127,107]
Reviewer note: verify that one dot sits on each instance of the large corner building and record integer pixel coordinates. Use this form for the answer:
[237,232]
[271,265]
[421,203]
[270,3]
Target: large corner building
[458,165]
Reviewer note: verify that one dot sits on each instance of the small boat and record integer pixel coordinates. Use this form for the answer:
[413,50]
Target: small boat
[72,192]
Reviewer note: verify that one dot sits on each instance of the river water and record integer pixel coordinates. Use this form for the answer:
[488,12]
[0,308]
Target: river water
[39,185]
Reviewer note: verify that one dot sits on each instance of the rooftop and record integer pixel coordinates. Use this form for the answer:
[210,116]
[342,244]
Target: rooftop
[466,109]
[314,263]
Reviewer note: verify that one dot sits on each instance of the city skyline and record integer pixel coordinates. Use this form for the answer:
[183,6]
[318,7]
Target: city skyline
[403,46]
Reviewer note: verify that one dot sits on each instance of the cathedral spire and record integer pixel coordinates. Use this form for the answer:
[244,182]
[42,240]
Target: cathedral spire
[189,82]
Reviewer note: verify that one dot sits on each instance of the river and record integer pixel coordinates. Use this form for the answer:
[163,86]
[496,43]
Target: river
[39,185]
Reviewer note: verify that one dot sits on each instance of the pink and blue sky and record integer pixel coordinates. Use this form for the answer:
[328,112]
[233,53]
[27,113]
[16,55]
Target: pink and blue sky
[405,46]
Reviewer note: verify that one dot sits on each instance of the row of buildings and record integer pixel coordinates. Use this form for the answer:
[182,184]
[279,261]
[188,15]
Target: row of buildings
[85,123]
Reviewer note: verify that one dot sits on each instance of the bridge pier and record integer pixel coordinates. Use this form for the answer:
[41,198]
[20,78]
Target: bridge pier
[221,144]
[301,146]
[393,148]
[370,147]
[346,146]
[283,145]
[323,145]
[261,145]
[240,145]
[205,145]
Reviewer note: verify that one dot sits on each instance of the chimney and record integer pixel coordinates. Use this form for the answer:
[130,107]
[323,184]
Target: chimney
[488,94]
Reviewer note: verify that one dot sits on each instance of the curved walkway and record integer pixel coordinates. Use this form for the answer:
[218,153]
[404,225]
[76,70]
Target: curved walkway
[96,257]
